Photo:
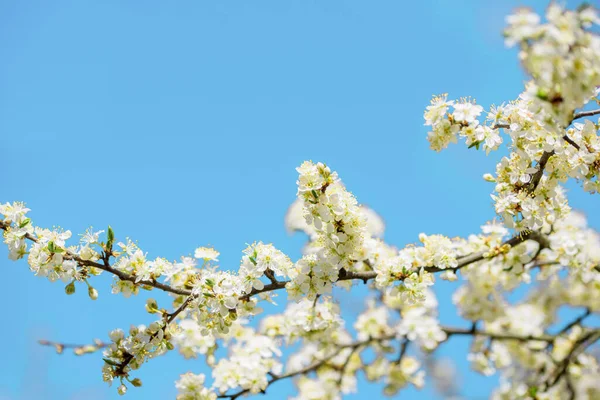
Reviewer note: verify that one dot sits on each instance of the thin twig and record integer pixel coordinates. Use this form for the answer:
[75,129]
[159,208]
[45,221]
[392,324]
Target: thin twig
[570,141]
[344,366]
[584,114]
[120,369]
[78,349]
[577,321]
[496,335]
[579,346]
[403,348]
[537,177]
[310,368]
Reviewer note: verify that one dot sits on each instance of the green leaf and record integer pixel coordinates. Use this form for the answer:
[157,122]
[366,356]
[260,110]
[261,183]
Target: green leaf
[533,391]
[542,95]
[584,6]
[52,248]
[475,144]
[110,238]
[210,282]
[25,222]
[111,362]
[253,260]
[314,194]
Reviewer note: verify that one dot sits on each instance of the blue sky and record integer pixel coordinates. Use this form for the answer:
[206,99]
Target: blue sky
[180,124]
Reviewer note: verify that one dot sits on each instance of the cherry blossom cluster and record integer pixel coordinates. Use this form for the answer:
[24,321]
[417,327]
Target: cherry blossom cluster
[190,341]
[525,197]
[563,60]
[262,260]
[570,245]
[408,267]
[562,56]
[420,324]
[127,353]
[252,358]
[320,322]
[20,227]
[537,243]
[336,217]
[191,387]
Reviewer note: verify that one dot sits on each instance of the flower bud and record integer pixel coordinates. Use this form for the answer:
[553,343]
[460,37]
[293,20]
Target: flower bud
[489,178]
[211,360]
[448,276]
[122,390]
[151,306]
[70,288]
[137,382]
[93,293]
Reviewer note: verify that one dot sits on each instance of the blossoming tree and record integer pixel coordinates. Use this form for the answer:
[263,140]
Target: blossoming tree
[550,137]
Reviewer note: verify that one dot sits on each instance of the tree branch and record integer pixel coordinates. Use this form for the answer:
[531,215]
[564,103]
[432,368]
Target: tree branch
[537,177]
[583,343]
[275,284]
[120,369]
[565,137]
[313,367]
[450,331]
[462,262]
[584,114]
[570,141]
[106,267]
[496,336]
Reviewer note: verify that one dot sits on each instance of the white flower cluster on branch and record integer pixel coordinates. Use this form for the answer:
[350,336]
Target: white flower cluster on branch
[538,243]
